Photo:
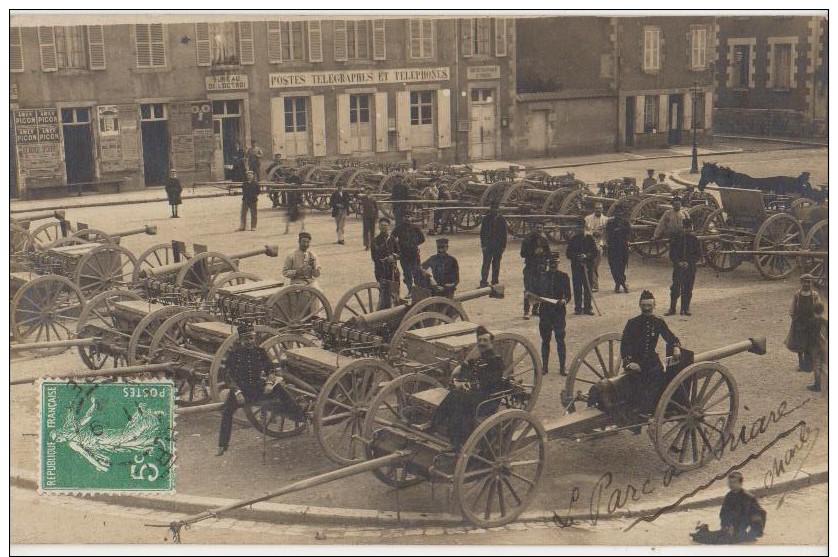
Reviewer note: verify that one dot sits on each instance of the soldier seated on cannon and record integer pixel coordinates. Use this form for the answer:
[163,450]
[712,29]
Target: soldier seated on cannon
[478,379]
[441,271]
[251,372]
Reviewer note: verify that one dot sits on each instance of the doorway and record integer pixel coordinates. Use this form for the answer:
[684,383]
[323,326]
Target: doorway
[538,132]
[676,108]
[78,145]
[481,144]
[630,121]
[155,130]
[360,130]
[227,128]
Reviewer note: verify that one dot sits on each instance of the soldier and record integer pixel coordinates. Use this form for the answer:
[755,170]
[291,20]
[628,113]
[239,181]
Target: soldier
[649,180]
[685,253]
[254,159]
[742,517]
[385,254]
[595,227]
[251,372]
[492,242]
[294,211]
[617,234]
[476,380]
[442,271]
[410,237]
[399,194]
[535,249]
[339,202]
[250,201]
[302,265]
[661,177]
[672,221]
[553,285]
[369,215]
[173,191]
[581,251]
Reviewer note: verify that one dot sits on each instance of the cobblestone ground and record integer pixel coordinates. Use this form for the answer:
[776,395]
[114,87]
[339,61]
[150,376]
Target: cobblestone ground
[727,308]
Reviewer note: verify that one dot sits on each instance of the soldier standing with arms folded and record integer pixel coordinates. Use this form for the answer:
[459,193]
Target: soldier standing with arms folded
[250,201]
[385,254]
[685,253]
[581,251]
[617,234]
[554,285]
[410,237]
[493,243]
[535,249]
[442,271]
[595,227]
[173,192]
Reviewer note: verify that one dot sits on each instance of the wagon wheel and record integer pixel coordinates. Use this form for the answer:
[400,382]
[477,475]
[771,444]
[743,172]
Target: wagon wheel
[359,177]
[46,234]
[712,250]
[297,305]
[658,188]
[625,204]
[342,405]
[358,300]
[597,360]
[573,204]
[647,213]
[168,343]
[18,238]
[500,467]
[140,340]
[394,407]
[553,202]
[438,304]
[418,321]
[343,176]
[155,256]
[96,320]
[218,379]
[460,185]
[699,214]
[46,309]
[468,219]
[516,194]
[780,232]
[817,240]
[522,366]
[105,267]
[95,235]
[231,279]
[695,415]
[799,204]
[494,192]
[309,173]
[201,272]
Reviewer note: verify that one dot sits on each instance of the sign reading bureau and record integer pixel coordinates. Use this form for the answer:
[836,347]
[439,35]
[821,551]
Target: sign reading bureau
[358,77]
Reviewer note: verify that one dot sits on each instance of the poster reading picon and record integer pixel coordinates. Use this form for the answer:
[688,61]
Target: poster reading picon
[38,146]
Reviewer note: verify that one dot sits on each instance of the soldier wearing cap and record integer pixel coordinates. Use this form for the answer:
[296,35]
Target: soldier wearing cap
[250,200]
[399,194]
[442,271]
[742,518]
[385,255]
[672,221]
[368,207]
[582,251]
[339,203]
[649,180]
[535,249]
[410,237]
[302,265]
[801,335]
[173,191]
[553,285]
[685,253]
[617,234]
[251,372]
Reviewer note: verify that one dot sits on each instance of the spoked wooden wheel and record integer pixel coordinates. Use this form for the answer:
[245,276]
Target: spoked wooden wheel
[97,320]
[625,204]
[699,215]
[780,232]
[46,309]
[395,407]
[358,300]
[494,192]
[467,219]
[155,256]
[646,215]
[419,321]
[47,234]
[438,304]
[597,360]
[342,405]
[18,239]
[716,251]
[818,265]
[218,370]
[500,467]
[106,267]
[297,305]
[522,367]
[695,414]
[140,340]
[201,272]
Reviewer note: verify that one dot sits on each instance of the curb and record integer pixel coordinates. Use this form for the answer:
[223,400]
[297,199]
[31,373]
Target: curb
[810,143]
[640,158]
[303,514]
[675,176]
[115,202]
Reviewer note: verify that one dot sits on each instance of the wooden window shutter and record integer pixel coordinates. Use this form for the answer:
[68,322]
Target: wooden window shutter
[466,37]
[96,46]
[142,34]
[46,41]
[443,121]
[158,45]
[708,110]
[382,139]
[500,36]
[318,125]
[278,125]
[15,50]
[379,42]
[340,40]
[344,135]
[688,112]
[639,114]
[315,42]
[274,42]
[247,52]
[403,119]
[202,44]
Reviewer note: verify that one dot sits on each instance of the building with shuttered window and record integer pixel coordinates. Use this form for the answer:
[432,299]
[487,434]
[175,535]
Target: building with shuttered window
[120,103]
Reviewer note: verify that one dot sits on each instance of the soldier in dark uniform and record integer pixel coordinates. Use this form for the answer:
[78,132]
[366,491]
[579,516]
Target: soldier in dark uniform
[581,251]
[399,193]
[685,253]
[535,249]
[410,237]
[369,214]
[385,255]
[742,517]
[555,285]
[442,271]
[250,201]
[478,379]
[250,369]
[617,234]
[638,351]
[649,180]
[173,191]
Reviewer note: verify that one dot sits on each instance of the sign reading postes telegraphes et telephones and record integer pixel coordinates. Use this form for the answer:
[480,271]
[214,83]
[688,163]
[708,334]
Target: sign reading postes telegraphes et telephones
[190,128]
[118,138]
[38,146]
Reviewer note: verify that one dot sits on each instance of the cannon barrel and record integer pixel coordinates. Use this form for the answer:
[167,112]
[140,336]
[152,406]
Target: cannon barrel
[90,341]
[754,345]
[41,216]
[171,268]
[494,291]
[130,370]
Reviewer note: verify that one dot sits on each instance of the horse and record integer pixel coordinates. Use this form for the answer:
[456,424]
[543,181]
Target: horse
[725,177]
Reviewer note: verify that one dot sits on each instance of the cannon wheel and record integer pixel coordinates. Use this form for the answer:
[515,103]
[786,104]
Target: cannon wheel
[573,204]
[625,204]
[296,305]
[218,369]
[438,304]
[817,240]
[358,300]
[695,414]
[105,267]
[658,188]
[342,405]
[706,197]
[356,178]
[597,360]
[192,387]
[141,337]
[418,321]
[95,318]
[343,176]
[468,219]
[393,407]
[155,256]
[308,172]
[699,215]
[95,235]
[646,212]
[494,192]
[231,279]
[200,272]
[500,467]
[553,202]
[460,185]
[44,309]
[522,364]
[46,234]
[516,194]
[721,262]
[18,238]
[779,232]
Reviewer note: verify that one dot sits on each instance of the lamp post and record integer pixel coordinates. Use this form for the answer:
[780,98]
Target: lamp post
[695,91]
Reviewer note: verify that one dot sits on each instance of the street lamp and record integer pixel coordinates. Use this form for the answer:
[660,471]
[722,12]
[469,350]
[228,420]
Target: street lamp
[695,91]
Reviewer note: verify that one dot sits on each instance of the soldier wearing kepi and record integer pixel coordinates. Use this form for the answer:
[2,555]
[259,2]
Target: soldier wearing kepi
[250,201]
[672,221]
[251,372]
[617,234]
[554,295]
[173,191]
[685,253]
[535,249]
[492,242]
[649,180]
[442,271]
[581,251]
[302,265]
[385,256]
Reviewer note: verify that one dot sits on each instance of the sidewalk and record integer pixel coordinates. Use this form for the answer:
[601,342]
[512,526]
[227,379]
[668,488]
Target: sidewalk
[605,158]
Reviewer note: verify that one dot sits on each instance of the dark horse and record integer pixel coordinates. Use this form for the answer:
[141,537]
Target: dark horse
[724,177]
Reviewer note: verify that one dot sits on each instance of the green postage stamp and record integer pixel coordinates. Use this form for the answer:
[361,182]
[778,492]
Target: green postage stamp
[109,437]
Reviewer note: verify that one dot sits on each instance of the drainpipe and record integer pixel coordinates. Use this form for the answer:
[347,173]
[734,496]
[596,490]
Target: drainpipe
[457,96]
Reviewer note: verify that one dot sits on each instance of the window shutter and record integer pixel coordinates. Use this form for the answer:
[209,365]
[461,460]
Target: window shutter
[315,42]
[467,38]
[688,44]
[143,39]
[278,124]
[381,138]
[344,147]
[340,40]
[443,119]
[247,53]
[202,44]
[318,125]
[403,119]
[15,50]
[379,43]
[158,45]
[274,42]
[688,112]
[427,32]
[49,57]
[639,113]
[96,46]
[663,113]
[708,110]
[500,36]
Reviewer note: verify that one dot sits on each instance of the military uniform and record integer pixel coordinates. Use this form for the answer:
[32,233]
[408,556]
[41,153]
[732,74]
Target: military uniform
[683,248]
[173,193]
[553,284]
[410,237]
[581,251]
[617,233]
[386,246]
[493,243]
[535,249]
[400,192]
[445,271]
[639,346]
[742,519]
[250,201]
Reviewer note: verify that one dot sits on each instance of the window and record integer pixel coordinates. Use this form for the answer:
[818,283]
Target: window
[476,36]
[224,44]
[698,48]
[651,49]
[151,45]
[75,115]
[226,108]
[224,41]
[782,66]
[698,112]
[293,40]
[152,111]
[650,114]
[295,114]
[481,95]
[421,107]
[357,40]
[359,109]
[15,50]
[741,65]
[421,38]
